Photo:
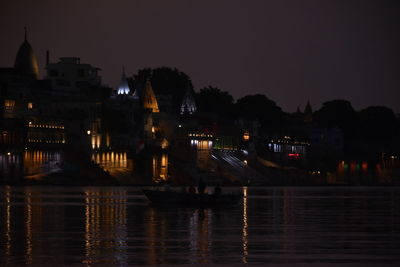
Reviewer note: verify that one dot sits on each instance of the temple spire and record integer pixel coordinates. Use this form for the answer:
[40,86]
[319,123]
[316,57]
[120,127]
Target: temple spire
[26,61]
[308,114]
[123,88]
[149,98]
[188,105]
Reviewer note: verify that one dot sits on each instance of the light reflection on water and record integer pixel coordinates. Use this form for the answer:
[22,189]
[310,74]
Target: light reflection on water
[31,164]
[116,226]
[123,169]
[34,164]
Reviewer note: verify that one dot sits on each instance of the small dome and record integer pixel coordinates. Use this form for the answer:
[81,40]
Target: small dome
[188,103]
[26,61]
[123,88]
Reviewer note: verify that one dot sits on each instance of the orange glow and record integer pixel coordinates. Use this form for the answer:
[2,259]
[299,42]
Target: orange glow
[364,166]
[9,103]
[246,136]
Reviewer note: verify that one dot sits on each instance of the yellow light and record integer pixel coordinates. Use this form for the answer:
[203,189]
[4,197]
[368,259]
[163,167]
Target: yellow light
[88,132]
[9,103]
[30,105]
[246,136]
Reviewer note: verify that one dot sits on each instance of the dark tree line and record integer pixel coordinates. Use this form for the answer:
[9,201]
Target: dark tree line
[370,130]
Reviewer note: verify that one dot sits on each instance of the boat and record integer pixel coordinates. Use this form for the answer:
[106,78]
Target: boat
[173,198]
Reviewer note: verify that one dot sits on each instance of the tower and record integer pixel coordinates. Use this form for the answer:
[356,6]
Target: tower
[25,60]
[188,102]
[308,114]
[123,88]
[150,107]
[149,99]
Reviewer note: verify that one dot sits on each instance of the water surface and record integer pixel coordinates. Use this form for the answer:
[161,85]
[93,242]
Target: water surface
[271,226]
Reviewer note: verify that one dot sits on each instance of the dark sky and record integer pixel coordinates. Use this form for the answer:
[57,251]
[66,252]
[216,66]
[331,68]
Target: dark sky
[290,51]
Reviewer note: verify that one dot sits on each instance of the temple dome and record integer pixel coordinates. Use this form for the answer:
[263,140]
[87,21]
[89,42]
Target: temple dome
[123,88]
[26,61]
[188,103]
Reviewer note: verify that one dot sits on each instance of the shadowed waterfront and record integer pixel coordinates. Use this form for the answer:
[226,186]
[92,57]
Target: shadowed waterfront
[116,226]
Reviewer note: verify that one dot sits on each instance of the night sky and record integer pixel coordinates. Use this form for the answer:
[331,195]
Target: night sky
[291,51]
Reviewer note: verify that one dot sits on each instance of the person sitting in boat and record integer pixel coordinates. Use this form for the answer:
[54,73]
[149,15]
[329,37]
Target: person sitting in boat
[192,190]
[217,190]
[201,187]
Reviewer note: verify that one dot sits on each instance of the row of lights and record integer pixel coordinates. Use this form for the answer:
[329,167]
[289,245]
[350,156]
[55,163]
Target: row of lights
[46,141]
[286,141]
[49,126]
[201,135]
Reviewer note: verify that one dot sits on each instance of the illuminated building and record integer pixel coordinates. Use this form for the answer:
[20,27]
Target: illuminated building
[287,148]
[149,99]
[285,144]
[45,133]
[16,84]
[17,102]
[150,107]
[188,103]
[123,87]
[33,112]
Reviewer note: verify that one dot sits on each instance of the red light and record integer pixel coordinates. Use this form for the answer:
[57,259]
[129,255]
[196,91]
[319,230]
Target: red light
[294,155]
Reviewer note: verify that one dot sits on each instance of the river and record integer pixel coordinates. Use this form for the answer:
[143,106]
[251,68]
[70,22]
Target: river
[283,226]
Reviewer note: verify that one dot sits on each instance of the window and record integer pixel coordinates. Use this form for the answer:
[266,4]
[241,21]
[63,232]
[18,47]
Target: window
[63,83]
[82,84]
[9,103]
[30,105]
[81,73]
[53,73]
[246,136]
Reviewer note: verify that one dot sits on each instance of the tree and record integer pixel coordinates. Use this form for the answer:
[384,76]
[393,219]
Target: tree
[261,108]
[336,113]
[213,100]
[378,131]
[378,123]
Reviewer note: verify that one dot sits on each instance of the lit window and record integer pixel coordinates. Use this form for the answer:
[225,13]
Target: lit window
[30,105]
[9,103]
[246,136]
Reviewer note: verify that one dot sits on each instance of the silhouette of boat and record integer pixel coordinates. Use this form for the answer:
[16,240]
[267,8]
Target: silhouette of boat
[173,198]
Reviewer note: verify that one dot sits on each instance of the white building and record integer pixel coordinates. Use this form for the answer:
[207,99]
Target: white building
[69,77]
